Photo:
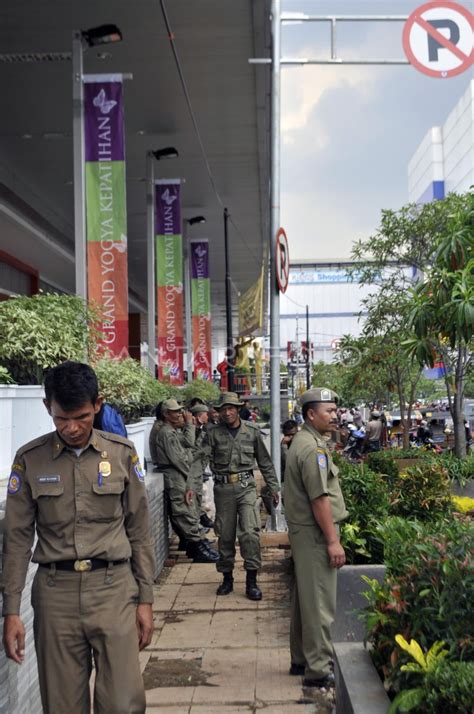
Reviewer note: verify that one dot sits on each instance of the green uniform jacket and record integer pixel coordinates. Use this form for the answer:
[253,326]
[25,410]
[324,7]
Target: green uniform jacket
[174,452]
[311,473]
[229,455]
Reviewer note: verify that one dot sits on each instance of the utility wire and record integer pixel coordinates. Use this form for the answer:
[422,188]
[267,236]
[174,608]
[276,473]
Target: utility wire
[171,38]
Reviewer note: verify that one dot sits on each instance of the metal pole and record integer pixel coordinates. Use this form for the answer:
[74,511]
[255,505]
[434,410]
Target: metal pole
[150,254]
[79,183]
[187,305]
[228,306]
[308,347]
[275,406]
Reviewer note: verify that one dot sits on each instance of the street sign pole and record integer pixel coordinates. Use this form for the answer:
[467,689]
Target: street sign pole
[275,403]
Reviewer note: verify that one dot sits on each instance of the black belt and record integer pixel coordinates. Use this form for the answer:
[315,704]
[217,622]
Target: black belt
[233,478]
[83,566]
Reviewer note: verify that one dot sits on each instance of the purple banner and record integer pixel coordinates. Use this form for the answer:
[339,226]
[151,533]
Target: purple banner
[199,259]
[168,207]
[103,118]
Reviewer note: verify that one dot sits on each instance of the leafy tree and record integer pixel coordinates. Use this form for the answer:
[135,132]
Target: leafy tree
[404,322]
[442,314]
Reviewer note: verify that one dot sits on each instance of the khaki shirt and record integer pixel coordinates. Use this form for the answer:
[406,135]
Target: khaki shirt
[77,514]
[373,430]
[311,473]
[228,454]
[174,450]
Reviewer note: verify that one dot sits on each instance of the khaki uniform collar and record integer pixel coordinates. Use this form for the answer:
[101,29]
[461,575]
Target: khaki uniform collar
[59,445]
[318,437]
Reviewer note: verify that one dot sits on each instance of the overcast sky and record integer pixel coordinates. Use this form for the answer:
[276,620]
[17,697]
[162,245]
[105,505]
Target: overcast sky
[348,133]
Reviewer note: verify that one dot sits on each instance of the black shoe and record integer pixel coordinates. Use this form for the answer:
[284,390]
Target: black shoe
[297,670]
[205,521]
[183,544]
[201,553]
[326,682]
[252,590]
[227,585]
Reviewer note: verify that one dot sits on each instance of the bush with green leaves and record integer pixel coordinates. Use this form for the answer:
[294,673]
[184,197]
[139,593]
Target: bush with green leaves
[366,496]
[130,388]
[41,331]
[382,462]
[422,491]
[205,390]
[459,470]
[427,593]
[450,689]
[5,376]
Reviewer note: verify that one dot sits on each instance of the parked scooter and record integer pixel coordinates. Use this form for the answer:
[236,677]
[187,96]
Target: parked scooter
[354,448]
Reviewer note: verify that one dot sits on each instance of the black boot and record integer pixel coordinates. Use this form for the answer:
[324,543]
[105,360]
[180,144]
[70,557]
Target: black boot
[227,585]
[205,521]
[183,544]
[252,590]
[200,553]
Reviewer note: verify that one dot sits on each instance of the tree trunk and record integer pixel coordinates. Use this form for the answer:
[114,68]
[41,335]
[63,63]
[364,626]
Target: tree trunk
[457,411]
[403,415]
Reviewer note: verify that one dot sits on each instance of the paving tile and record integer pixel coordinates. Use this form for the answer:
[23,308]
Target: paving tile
[234,629]
[170,695]
[233,677]
[274,684]
[188,630]
[273,629]
[196,596]
[165,595]
[220,709]
[178,573]
[179,709]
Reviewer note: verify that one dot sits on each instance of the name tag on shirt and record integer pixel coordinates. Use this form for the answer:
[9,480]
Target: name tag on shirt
[55,478]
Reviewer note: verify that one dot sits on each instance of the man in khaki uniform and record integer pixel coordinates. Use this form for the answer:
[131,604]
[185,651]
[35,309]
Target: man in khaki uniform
[84,492]
[234,445]
[153,436]
[175,457]
[313,508]
[200,414]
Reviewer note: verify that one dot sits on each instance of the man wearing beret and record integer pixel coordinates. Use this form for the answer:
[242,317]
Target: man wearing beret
[234,446]
[314,506]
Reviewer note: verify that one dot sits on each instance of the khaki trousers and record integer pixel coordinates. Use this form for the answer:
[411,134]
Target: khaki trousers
[184,519]
[313,601]
[77,615]
[236,505]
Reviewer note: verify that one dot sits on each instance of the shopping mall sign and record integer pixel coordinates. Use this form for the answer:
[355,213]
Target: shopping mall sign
[438,39]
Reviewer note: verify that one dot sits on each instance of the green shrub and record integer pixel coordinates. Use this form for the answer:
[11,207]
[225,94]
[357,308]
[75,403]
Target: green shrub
[367,500]
[422,492]
[459,470]
[382,462]
[450,689]
[205,390]
[130,387]
[5,376]
[427,593]
[41,331]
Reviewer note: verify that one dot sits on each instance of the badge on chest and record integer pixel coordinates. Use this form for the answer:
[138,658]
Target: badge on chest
[105,469]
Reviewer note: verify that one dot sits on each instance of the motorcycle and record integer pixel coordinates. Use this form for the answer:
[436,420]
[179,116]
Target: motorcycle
[354,448]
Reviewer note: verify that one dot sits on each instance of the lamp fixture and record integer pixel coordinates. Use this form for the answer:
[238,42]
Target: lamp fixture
[102,35]
[195,219]
[169,152]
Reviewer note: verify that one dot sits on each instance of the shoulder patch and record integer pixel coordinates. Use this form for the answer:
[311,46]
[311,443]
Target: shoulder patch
[138,471]
[14,483]
[322,459]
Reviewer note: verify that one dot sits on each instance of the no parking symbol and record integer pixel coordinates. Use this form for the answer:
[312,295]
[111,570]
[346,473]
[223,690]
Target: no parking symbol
[438,39]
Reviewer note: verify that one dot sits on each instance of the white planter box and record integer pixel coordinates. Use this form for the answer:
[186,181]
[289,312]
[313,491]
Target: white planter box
[23,417]
[136,433]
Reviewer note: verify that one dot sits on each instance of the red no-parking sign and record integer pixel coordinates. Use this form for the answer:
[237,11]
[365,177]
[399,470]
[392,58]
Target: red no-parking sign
[282,260]
[438,39]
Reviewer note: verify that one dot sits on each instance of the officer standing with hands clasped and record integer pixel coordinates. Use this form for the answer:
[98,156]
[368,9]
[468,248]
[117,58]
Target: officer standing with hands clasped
[234,446]
[84,492]
[314,506]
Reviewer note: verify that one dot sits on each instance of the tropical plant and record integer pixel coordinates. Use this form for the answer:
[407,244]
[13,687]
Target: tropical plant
[427,593]
[423,665]
[130,387]
[449,689]
[382,462]
[204,389]
[41,331]
[422,491]
[5,376]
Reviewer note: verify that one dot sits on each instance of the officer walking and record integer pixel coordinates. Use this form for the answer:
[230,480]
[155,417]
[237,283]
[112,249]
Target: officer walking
[234,445]
[175,459]
[83,491]
[314,507]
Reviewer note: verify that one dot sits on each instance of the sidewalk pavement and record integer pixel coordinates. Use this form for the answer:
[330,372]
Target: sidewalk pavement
[225,655]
